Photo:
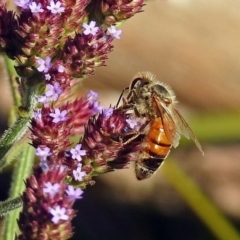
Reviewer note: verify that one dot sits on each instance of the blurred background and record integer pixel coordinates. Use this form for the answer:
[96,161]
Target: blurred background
[194,46]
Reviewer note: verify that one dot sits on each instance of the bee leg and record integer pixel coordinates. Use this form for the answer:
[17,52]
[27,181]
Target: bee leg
[132,96]
[121,96]
[132,138]
[141,131]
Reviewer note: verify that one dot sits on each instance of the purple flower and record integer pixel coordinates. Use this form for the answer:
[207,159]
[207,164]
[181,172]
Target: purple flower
[47,77]
[90,28]
[74,192]
[108,112]
[79,174]
[35,8]
[77,153]
[60,68]
[58,214]
[51,94]
[44,65]
[114,32]
[43,152]
[92,96]
[97,107]
[37,115]
[50,188]
[59,116]
[131,122]
[55,7]
[22,3]
[53,91]
[43,99]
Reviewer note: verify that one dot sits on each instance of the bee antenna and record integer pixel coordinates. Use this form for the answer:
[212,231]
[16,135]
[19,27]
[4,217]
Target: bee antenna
[120,97]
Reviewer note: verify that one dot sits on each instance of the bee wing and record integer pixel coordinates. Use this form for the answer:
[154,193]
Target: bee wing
[184,129]
[169,124]
[174,125]
[170,128]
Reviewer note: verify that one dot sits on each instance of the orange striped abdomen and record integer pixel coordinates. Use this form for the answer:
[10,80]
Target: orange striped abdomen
[156,147]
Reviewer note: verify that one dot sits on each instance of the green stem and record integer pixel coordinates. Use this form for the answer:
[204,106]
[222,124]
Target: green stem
[12,80]
[11,136]
[22,170]
[206,210]
[7,206]
[20,127]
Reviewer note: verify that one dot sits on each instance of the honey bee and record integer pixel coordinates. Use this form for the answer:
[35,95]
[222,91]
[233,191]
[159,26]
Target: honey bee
[156,102]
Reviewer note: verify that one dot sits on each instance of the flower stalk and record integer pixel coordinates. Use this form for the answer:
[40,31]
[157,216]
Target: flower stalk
[22,170]
[21,126]
[54,44]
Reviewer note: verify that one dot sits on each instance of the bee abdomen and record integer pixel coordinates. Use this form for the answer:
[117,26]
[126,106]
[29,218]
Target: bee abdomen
[157,149]
[147,166]
[151,158]
[153,163]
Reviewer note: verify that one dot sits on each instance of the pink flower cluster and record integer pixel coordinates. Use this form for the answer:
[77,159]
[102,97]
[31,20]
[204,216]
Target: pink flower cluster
[54,43]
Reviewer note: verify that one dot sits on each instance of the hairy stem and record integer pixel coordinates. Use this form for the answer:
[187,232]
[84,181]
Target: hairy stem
[22,170]
[7,206]
[20,127]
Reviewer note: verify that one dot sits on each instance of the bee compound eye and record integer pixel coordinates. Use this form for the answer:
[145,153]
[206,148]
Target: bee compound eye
[161,91]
